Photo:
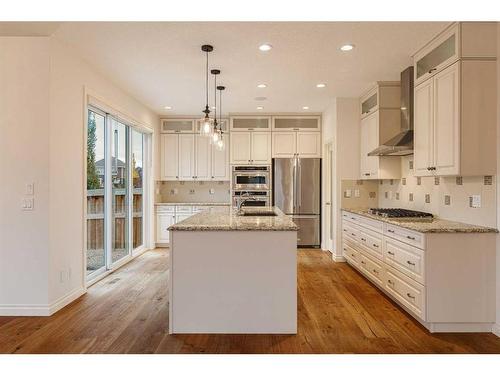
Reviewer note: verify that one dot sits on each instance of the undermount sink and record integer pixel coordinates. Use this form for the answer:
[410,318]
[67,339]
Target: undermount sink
[258,213]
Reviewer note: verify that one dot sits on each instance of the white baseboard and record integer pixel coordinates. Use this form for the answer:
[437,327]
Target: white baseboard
[41,309]
[459,327]
[496,329]
[338,258]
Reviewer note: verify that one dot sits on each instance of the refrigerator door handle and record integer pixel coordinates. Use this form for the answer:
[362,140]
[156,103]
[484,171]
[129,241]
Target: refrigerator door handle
[294,177]
[299,184]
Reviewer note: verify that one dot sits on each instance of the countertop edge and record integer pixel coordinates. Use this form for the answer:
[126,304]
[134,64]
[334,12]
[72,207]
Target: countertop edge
[467,228]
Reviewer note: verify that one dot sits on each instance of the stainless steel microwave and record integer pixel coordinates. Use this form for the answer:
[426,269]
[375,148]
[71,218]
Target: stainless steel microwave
[246,177]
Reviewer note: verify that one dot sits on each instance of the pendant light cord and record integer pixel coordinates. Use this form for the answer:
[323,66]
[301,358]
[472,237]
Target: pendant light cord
[206,82]
[220,112]
[215,97]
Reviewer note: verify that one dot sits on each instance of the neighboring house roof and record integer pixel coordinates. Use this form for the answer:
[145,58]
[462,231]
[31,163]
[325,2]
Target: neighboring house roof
[100,163]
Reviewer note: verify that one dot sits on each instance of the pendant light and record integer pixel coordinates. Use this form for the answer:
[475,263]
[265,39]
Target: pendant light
[214,136]
[220,144]
[206,122]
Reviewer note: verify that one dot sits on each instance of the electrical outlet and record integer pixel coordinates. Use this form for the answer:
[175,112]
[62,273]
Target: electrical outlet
[347,193]
[211,191]
[427,198]
[27,204]
[475,201]
[356,193]
[447,200]
[191,191]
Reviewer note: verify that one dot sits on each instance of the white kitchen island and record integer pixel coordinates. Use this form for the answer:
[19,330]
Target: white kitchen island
[233,274]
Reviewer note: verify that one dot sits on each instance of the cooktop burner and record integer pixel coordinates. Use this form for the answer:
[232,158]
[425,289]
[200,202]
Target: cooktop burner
[401,213]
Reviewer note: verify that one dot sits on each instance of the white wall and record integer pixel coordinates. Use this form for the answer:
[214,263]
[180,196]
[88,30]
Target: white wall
[45,131]
[341,124]
[24,158]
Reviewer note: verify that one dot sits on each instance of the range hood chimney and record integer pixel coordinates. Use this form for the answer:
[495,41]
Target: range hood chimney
[401,144]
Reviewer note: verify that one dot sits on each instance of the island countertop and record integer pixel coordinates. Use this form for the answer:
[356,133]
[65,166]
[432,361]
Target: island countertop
[227,219]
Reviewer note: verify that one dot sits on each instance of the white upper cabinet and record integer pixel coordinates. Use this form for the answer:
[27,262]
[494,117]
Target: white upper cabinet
[250,147]
[261,148]
[203,160]
[186,157]
[284,144]
[169,157]
[177,125]
[423,127]
[380,121]
[297,123]
[288,144]
[250,123]
[220,164]
[455,103]
[241,147]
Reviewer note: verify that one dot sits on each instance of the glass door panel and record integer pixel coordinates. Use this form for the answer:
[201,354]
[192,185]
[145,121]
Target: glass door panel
[96,256]
[138,186]
[119,191]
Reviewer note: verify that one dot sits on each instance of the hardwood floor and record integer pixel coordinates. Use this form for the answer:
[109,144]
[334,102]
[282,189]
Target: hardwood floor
[339,312]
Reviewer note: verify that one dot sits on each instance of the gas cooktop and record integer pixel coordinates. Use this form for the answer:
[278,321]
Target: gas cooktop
[401,214]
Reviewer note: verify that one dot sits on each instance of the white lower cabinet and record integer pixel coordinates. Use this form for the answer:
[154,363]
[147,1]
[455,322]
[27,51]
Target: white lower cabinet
[445,280]
[163,221]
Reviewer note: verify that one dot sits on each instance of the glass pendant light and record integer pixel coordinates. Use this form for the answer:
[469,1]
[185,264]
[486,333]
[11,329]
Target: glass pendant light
[214,134]
[206,123]
[220,144]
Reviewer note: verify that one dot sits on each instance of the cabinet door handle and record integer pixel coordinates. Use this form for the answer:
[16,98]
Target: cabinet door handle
[367,174]
[345,230]
[432,70]
[375,245]
[390,253]
[410,296]
[410,238]
[410,263]
[390,230]
[390,281]
[353,234]
[177,177]
[363,239]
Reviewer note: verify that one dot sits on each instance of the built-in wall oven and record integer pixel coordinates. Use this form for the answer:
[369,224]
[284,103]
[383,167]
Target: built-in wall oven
[252,198]
[251,178]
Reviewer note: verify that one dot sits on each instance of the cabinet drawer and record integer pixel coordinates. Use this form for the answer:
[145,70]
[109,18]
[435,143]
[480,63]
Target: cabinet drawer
[350,253]
[372,241]
[405,258]
[350,231]
[406,291]
[405,235]
[373,269]
[183,209]
[349,217]
[165,209]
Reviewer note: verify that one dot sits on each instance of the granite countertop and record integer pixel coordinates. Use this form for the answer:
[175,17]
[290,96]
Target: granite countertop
[437,225]
[193,204]
[227,219]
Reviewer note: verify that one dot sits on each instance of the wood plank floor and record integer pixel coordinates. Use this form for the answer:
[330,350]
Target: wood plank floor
[339,312]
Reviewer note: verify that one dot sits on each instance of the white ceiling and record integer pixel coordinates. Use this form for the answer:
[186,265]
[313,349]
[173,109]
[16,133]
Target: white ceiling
[160,63]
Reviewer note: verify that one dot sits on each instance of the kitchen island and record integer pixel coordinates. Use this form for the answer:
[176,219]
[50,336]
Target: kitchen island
[233,274]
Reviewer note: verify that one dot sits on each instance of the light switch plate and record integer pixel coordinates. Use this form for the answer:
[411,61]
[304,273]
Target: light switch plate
[211,191]
[27,204]
[475,201]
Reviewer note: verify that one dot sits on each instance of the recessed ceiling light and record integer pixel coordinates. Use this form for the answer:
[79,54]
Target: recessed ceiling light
[321,85]
[260,107]
[168,108]
[261,85]
[347,47]
[265,47]
[305,107]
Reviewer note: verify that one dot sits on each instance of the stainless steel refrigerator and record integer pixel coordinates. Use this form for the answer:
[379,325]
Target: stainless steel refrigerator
[297,192]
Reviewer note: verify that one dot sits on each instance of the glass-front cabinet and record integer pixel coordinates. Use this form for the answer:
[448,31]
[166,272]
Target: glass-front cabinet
[250,123]
[442,52]
[369,103]
[177,125]
[298,123]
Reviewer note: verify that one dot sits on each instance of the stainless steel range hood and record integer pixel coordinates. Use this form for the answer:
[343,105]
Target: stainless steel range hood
[401,144]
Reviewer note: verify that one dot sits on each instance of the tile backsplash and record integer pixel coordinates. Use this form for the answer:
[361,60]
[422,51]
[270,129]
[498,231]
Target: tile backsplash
[192,191]
[357,193]
[445,197]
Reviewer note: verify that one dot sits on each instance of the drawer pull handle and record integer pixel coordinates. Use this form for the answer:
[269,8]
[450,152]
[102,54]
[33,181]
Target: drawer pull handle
[353,234]
[410,296]
[390,281]
[375,271]
[353,255]
[363,239]
[410,263]
[353,218]
[375,246]
[432,70]
[345,230]
[390,230]
[390,253]
[410,238]
[363,262]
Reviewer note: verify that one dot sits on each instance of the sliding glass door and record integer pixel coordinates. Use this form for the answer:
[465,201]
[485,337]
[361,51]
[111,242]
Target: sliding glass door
[115,191]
